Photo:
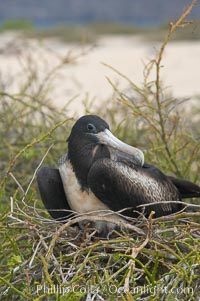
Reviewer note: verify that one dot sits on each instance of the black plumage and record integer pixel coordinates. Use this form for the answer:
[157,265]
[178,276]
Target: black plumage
[101,172]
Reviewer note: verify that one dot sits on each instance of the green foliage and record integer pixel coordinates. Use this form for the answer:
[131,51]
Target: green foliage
[17,24]
[44,260]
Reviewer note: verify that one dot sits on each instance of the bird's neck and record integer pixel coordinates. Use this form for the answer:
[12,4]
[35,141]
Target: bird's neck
[82,159]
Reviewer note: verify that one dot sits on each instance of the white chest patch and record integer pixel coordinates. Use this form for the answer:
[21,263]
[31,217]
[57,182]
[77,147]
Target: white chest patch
[79,201]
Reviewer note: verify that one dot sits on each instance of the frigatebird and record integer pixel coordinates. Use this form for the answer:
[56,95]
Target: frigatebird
[100,172]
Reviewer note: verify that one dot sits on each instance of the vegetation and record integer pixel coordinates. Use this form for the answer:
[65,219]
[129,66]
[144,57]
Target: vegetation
[90,33]
[157,259]
[17,24]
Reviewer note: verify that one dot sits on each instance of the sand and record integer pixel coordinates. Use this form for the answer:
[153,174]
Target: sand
[87,77]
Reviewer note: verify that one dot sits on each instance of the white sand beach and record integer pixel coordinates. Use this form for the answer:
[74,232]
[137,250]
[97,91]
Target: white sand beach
[87,76]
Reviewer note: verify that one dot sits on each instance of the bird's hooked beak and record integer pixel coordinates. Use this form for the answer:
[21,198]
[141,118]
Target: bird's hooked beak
[123,150]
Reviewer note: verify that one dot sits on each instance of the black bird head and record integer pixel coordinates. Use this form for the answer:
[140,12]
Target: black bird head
[90,140]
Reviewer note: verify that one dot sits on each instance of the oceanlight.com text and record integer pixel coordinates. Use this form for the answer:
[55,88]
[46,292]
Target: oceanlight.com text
[113,289]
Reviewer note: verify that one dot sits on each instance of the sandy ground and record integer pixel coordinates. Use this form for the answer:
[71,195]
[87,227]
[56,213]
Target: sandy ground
[86,77]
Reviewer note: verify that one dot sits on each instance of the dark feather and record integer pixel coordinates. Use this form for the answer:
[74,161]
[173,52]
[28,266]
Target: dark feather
[121,186]
[52,193]
[187,189]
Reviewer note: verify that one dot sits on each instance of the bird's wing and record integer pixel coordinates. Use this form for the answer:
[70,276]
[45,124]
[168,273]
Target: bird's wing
[187,189]
[120,186]
[52,193]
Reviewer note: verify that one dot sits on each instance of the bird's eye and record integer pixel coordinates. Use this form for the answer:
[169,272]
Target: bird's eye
[91,127]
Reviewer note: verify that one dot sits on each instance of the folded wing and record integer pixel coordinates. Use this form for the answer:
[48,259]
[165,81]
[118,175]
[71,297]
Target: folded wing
[187,189]
[52,193]
[120,186]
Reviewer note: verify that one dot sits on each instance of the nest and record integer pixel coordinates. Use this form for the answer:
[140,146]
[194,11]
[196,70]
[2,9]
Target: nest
[146,258]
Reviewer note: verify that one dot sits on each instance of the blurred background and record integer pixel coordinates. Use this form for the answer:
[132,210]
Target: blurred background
[48,13]
[80,35]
